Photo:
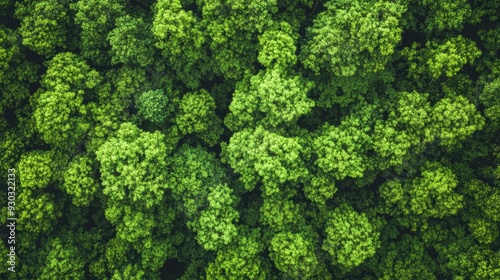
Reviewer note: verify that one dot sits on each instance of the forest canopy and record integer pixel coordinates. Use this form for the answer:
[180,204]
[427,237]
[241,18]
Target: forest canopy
[265,139]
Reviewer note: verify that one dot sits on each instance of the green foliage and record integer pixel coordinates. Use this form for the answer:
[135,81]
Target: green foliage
[455,118]
[263,156]
[40,214]
[132,271]
[485,231]
[79,181]
[448,58]
[114,98]
[446,15]
[10,148]
[36,169]
[5,265]
[178,35]
[69,70]
[271,99]
[195,171]
[265,139]
[197,116]
[411,115]
[280,213]
[340,151]
[353,37]
[391,144]
[440,59]
[215,226]
[350,237]
[431,195]
[489,97]
[492,206]
[96,18]
[43,29]
[277,47]
[234,36]
[8,49]
[131,43]
[154,106]
[484,214]
[63,261]
[198,182]
[463,259]
[116,252]
[293,254]
[406,259]
[490,39]
[241,260]
[132,165]
[320,188]
[61,117]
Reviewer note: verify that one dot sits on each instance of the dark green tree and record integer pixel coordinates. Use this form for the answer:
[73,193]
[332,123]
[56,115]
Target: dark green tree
[353,37]
[96,18]
[43,28]
[131,42]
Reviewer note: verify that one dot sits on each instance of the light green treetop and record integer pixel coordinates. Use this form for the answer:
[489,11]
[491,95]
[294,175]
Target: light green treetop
[430,195]
[341,151]
[440,59]
[490,98]
[350,238]
[455,118]
[271,99]
[63,261]
[446,15]
[79,181]
[179,36]
[293,254]
[263,156]
[36,169]
[215,226]
[194,172]
[132,166]
[96,19]
[241,260]
[277,47]
[61,117]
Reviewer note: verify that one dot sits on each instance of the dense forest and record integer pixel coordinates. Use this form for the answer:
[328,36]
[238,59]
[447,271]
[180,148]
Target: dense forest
[262,139]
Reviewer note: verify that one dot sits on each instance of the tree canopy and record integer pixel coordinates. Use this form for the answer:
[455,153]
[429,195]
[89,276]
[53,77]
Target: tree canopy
[264,139]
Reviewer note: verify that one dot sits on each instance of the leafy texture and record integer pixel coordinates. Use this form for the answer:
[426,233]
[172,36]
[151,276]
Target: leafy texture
[272,99]
[260,155]
[264,139]
[293,254]
[350,237]
[353,37]
[197,116]
[43,30]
